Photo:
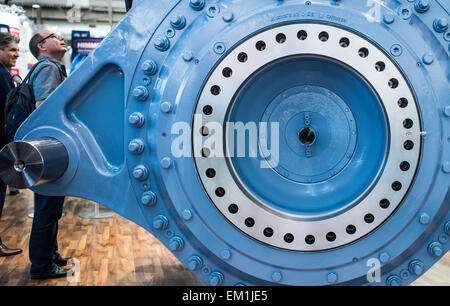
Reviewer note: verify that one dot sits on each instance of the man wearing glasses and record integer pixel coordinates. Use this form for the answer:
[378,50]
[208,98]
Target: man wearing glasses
[46,262]
[9,53]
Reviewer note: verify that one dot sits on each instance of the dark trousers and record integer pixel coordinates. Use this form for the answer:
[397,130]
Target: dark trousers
[44,231]
[2,199]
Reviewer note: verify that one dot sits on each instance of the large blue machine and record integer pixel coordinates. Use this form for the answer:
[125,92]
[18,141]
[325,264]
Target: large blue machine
[262,141]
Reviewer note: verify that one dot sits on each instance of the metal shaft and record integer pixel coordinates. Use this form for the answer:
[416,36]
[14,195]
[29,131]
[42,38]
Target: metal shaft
[26,164]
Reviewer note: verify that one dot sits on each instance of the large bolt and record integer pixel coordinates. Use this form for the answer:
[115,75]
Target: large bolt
[140,173]
[194,263]
[446,111]
[197,5]
[435,249]
[162,43]
[176,244]
[447,227]
[136,120]
[160,222]
[277,276]
[136,146]
[178,22]
[148,198]
[446,167]
[422,6]
[440,25]
[150,67]
[141,93]
[216,279]
[393,280]
[332,277]
[416,267]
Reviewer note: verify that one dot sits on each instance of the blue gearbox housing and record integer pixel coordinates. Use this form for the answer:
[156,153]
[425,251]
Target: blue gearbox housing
[262,141]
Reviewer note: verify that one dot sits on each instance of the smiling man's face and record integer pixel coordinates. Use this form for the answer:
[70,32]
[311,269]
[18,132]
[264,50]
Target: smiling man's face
[9,55]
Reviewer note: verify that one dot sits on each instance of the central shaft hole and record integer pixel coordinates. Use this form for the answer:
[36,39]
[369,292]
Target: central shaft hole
[307,136]
[19,166]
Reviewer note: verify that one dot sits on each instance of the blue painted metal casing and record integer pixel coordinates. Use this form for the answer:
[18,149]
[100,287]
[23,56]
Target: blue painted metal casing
[148,74]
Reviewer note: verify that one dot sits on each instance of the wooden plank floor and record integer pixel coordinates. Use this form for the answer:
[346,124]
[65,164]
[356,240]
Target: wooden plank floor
[112,252]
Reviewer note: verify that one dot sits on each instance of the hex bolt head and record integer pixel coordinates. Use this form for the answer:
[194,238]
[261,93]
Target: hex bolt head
[225,254]
[187,214]
[140,173]
[166,162]
[416,267]
[136,120]
[393,280]
[197,5]
[166,107]
[160,222]
[178,22]
[435,249]
[422,6]
[332,278]
[424,219]
[149,67]
[195,263]
[148,198]
[447,227]
[446,167]
[384,257]
[216,279]
[446,111]
[176,243]
[136,146]
[228,17]
[440,25]
[428,59]
[141,93]
[389,18]
[162,43]
[188,55]
[277,276]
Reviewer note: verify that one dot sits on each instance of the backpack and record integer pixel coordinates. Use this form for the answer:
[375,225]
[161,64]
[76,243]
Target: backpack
[19,105]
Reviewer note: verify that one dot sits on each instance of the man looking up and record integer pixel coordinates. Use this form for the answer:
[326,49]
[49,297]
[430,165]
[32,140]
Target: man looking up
[9,53]
[46,262]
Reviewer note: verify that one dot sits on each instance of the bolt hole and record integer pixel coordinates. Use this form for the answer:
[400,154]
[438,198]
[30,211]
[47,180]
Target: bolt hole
[249,222]
[220,192]
[233,208]
[215,90]
[207,110]
[302,35]
[396,186]
[404,166]
[210,173]
[408,123]
[344,42]
[363,52]
[408,145]
[261,46]
[331,236]
[393,83]
[281,38]
[369,218]
[268,232]
[242,57]
[380,66]
[385,203]
[289,238]
[324,36]
[227,72]
[307,136]
[205,152]
[310,239]
[402,102]
[204,131]
[351,229]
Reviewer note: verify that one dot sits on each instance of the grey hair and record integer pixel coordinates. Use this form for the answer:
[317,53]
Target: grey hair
[6,39]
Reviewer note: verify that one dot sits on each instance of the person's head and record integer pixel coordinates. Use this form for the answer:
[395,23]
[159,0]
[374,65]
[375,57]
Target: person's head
[9,49]
[47,43]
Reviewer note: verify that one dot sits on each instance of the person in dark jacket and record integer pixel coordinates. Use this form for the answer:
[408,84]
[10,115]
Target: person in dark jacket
[9,53]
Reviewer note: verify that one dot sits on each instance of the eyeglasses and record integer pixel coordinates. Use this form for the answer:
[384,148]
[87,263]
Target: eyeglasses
[53,35]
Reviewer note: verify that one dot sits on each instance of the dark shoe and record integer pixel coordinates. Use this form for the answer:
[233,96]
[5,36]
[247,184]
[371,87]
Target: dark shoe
[62,262]
[57,273]
[5,251]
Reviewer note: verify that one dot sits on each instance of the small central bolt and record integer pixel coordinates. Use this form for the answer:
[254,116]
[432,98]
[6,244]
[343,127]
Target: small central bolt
[19,165]
[307,136]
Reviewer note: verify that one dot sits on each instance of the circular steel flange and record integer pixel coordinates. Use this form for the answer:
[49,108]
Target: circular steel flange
[295,229]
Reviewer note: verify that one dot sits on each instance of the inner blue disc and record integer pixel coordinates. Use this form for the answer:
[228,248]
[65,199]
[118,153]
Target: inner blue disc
[333,135]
